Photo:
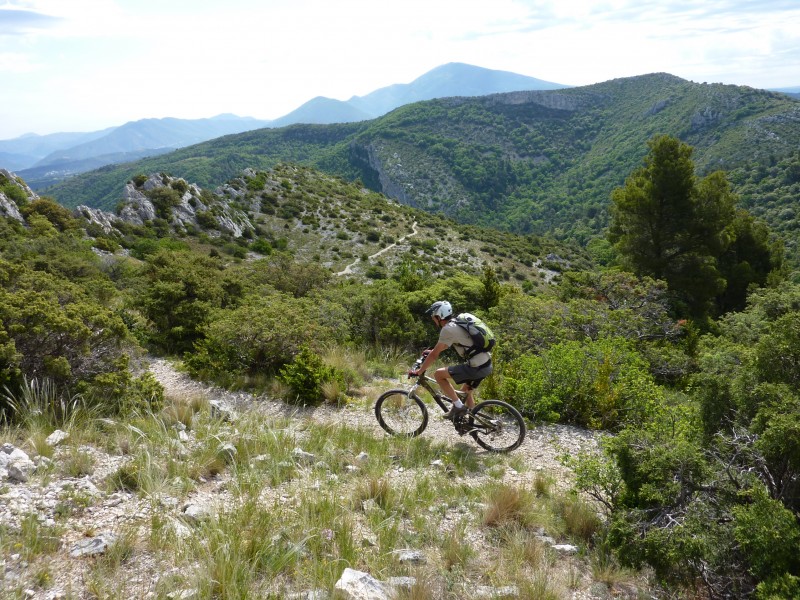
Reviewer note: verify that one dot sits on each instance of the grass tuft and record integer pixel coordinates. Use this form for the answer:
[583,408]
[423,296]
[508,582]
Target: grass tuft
[508,505]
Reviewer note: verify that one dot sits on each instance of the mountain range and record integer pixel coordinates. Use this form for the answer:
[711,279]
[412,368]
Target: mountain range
[541,162]
[452,79]
[45,160]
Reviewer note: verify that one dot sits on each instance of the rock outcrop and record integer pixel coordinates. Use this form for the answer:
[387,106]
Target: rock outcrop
[8,206]
[193,209]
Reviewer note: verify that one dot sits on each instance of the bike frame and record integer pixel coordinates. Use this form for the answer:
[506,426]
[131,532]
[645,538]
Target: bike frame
[429,384]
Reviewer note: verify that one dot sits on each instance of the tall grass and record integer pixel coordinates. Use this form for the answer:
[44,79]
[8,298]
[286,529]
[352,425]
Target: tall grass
[41,405]
[509,505]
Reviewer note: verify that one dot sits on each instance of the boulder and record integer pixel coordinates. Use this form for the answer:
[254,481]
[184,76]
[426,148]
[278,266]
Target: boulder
[357,585]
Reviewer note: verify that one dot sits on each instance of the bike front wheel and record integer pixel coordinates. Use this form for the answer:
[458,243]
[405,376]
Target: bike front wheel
[497,426]
[401,414]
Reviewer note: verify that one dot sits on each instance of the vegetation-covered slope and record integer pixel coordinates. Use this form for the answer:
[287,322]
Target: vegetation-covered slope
[542,161]
[698,483]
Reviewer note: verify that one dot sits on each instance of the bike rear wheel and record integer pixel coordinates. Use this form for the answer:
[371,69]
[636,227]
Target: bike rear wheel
[497,426]
[401,414]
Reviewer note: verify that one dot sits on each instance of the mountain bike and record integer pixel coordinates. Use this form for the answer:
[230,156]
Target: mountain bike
[495,425]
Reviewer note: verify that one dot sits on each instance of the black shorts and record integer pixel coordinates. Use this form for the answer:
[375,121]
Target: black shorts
[472,376]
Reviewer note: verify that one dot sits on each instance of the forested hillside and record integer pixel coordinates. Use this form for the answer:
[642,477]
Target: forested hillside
[537,162]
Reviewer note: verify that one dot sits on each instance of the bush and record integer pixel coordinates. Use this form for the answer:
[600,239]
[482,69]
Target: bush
[139,180]
[50,327]
[105,244]
[206,219]
[13,192]
[61,218]
[261,246]
[306,375]
[164,199]
[768,535]
[261,336]
[182,289]
[599,384]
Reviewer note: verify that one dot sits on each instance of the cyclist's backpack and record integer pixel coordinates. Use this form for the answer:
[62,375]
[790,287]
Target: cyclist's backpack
[482,337]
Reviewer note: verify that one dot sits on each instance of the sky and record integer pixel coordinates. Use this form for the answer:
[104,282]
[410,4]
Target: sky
[84,65]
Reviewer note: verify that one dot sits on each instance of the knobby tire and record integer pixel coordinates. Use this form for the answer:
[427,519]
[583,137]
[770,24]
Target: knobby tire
[401,414]
[497,426]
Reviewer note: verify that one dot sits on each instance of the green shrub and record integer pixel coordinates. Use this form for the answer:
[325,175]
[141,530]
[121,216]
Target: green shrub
[52,328]
[60,217]
[779,588]
[235,250]
[105,244]
[206,219]
[257,183]
[139,180]
[164,199]
[375,272]
[260,336]
[599,384]
[768,535]
[306,375]
[181,291]
[261,246]
[14,193]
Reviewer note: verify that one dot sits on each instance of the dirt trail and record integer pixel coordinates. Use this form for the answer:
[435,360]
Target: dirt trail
[348,270]
[541,451]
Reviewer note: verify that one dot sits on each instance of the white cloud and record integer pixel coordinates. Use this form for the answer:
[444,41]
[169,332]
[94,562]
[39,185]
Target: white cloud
[117,60]
[16,62]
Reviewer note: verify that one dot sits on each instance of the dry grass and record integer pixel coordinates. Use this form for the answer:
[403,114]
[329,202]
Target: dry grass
[580,518]
[508,505]
[378,490]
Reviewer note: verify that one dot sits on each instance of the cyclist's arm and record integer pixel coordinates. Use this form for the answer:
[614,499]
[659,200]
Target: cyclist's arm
[432,356]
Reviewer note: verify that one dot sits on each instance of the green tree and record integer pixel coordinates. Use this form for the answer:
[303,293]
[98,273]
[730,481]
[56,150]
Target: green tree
[669,225]
[751,258]
[182,289]
[490,295]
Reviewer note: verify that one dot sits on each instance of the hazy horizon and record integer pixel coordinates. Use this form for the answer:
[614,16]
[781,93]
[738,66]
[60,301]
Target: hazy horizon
[86,65]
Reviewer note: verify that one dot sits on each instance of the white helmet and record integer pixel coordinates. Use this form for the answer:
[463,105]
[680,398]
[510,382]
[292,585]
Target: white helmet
[441,309]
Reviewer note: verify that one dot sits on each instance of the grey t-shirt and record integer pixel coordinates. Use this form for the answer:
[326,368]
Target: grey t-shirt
[454,335]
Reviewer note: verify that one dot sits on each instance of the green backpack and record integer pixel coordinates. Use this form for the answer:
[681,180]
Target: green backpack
[483,339]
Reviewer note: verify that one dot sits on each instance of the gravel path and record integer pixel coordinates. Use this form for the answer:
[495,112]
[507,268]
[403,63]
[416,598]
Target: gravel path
[541,451]
[348,270]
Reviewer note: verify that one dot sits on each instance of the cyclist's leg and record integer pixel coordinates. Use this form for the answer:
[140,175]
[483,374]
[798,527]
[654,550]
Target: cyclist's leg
[470,397]
[442,377]
[469,378]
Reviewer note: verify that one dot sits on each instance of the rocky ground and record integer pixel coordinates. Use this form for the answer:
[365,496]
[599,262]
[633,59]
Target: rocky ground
[90,531]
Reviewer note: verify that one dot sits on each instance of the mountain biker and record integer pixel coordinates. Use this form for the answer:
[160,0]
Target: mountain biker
[470,373]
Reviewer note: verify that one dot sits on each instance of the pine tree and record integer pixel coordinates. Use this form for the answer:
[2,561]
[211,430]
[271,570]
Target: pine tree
[670,225]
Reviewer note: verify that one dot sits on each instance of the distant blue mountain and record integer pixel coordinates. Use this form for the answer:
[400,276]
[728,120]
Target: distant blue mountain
[44,160]
[152,134]
[794,92]
[27,150]
[72,153]
[787,90]
[452,79]
[325,111]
